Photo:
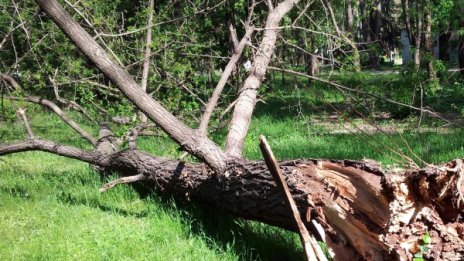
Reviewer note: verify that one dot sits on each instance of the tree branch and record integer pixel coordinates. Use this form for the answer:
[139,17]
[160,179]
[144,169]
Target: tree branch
[70,103]
[344,88]
[201,147]
[123,180]
[247,98]
[52,147]
[274,168]
[52,106]
[11,81]
[146,62]
[212,103]
[22,112]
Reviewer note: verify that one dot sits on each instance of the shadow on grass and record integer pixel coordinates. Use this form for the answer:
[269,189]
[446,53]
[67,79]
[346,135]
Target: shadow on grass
[247,239]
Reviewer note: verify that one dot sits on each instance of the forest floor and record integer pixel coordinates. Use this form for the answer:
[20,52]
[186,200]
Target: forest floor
[50,207]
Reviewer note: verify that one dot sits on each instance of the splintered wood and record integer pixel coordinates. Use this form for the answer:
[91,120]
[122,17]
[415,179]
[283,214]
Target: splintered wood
[310,245]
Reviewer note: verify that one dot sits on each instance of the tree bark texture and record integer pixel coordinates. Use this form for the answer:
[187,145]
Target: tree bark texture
[246,101]
[366,212]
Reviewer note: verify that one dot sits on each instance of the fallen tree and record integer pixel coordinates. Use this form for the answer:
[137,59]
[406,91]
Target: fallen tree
[360,210]
[366,212]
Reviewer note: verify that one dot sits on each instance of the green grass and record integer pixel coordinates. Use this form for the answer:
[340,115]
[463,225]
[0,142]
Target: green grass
[50,207]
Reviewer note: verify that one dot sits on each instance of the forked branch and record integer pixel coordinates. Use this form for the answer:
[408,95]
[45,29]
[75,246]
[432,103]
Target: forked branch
[56,109]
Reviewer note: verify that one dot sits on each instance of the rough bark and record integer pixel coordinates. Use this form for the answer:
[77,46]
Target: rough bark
[247,98]
[189,139]
[365,211]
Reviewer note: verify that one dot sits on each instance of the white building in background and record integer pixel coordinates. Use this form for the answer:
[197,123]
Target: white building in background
[451,52]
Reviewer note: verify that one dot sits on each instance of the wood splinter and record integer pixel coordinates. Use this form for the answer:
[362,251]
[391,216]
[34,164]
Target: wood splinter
[312,249]
[123,180]
[30,134]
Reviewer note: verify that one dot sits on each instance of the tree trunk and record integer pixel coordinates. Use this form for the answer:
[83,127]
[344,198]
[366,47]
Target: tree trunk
[246,101]
[418,38]
[349,16]
[366,212]
[407,19]
[461,51]
[431,73]
[364,22]
[146,62]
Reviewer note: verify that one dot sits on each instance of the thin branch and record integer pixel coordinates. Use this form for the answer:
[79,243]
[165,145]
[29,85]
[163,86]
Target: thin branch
[212,103]
[123,180]
[342,87]
[7,35]
[11,81]
[51,105]
[146,62]
[207,9]
[70,103]
[95,31]
[22,112]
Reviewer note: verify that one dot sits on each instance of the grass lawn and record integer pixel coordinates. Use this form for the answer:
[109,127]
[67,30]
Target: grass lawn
[50,207]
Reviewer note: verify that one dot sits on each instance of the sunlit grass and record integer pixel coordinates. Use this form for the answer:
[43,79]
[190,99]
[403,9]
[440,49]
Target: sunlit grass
[50,207]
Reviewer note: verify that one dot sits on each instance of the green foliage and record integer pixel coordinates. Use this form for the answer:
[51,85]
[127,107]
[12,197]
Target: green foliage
[424,247]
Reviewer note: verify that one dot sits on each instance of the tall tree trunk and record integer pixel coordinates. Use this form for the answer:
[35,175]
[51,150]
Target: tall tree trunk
[461,54]
[146,62]
[377,24]
[461,51]
[407,19]
[349,16]
[418,38]
[432,75]
[364,22]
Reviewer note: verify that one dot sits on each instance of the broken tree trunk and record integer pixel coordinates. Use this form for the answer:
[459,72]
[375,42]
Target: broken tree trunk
[366,212]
